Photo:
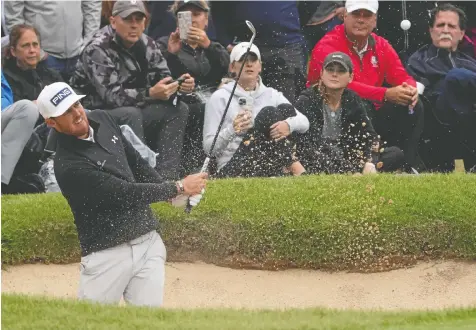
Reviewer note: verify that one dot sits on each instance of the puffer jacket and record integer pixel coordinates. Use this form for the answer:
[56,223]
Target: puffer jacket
[113,76]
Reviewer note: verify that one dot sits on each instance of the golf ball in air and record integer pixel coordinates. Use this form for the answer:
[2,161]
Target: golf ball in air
[405,24]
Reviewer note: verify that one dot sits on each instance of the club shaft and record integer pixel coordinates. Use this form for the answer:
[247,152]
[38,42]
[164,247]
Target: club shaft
[188,208]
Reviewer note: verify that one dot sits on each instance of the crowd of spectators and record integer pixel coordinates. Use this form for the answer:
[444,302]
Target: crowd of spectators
[328,86]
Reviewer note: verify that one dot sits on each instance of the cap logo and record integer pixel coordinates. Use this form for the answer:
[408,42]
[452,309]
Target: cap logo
[374,62]
[339,56]
[133,2]
[60,96]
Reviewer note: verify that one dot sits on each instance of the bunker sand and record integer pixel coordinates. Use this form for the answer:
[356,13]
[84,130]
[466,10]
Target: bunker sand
[432,285]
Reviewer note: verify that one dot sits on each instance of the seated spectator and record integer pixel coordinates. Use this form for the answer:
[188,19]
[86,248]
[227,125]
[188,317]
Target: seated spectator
[65,27]
[23,69]
[122,68]
[449,79]
[18,121]
[207,62]
[163,21]
[278,36]
[341,137]
[318,18]
[255,140]
[396,113]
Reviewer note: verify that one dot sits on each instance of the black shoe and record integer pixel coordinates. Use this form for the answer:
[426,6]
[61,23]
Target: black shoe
[30,183]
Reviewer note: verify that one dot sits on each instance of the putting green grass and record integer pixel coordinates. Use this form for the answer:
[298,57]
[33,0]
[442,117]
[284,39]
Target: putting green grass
[22,313]
[327,222]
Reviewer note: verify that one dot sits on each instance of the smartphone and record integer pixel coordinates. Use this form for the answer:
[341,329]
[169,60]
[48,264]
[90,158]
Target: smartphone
[184,23]
[246,103]
[179,80]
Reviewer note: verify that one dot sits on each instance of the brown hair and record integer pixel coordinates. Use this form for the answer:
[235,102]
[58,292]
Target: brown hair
[107,6]
[15,35]
[173,8]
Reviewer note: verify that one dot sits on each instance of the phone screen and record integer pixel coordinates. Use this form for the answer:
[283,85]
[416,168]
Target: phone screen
[184,23]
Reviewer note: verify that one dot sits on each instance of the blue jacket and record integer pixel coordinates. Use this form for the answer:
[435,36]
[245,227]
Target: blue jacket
[430,65]
[277,22]
[7,95]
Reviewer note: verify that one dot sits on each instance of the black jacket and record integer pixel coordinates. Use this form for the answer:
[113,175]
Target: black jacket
[108,185]
[28,84]
[207,66]
[430,65]
[357,134]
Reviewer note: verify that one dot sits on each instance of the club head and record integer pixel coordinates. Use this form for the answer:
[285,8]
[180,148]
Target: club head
[253,30]
[251,27]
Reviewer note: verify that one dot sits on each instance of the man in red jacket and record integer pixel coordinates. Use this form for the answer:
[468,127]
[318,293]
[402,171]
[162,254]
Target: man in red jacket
[396,112]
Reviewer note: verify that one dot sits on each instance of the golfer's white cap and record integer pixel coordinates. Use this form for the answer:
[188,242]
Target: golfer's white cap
[55,99]
[353,5]
[240,50]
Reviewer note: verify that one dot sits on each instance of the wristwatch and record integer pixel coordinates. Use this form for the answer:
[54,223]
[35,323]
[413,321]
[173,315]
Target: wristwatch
[180,186]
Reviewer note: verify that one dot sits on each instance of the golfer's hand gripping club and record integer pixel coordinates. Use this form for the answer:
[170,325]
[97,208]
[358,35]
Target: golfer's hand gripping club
[194,200]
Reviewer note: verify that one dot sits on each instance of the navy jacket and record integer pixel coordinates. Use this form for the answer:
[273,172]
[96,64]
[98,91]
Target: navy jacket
[108,185]
[430,65]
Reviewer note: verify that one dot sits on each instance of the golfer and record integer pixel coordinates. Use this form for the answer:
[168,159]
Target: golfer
[109,188]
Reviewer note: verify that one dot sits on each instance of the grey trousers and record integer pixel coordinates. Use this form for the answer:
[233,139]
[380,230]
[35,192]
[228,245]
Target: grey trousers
[18,122]
[134,270]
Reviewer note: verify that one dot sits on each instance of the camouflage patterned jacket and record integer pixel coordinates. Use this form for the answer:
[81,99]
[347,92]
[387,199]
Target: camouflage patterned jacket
[111,76]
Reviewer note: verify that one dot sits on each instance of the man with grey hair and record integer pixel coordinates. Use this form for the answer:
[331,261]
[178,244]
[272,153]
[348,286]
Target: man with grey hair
[448,79]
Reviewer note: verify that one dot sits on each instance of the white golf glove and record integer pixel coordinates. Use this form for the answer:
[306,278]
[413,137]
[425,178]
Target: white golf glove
[195,199]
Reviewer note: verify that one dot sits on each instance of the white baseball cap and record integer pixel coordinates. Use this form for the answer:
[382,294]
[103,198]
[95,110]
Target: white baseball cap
[241,49]
[55,99]
[353,5]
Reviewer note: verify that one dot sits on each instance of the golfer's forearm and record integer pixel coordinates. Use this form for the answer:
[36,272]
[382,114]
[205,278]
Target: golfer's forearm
[133,193]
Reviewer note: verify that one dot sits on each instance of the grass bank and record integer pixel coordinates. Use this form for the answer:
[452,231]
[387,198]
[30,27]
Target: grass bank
[329,222]
[21,312]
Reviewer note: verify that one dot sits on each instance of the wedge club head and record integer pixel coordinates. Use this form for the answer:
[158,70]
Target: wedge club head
[252,29]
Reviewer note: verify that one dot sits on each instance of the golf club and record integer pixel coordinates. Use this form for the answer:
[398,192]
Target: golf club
[207,160]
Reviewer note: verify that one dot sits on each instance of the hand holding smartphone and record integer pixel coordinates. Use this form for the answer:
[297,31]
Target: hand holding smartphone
[184,23]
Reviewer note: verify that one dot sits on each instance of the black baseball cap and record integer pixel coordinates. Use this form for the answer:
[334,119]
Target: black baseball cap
[125,8]
[199,4]
[341,58]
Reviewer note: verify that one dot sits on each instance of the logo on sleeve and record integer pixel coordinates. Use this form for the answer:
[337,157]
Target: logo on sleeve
[60,96]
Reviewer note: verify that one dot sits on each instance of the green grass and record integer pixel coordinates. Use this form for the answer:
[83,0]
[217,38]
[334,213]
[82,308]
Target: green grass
[20,312]
[330,222]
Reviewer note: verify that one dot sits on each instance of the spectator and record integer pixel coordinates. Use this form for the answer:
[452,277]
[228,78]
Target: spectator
[18,121]
[279,38]
[64,25]
[163,21]
[206,61]
[26,74]
[341,136]
[122,68]
[255,138]
[449,79]
[318,18]
[397,114]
